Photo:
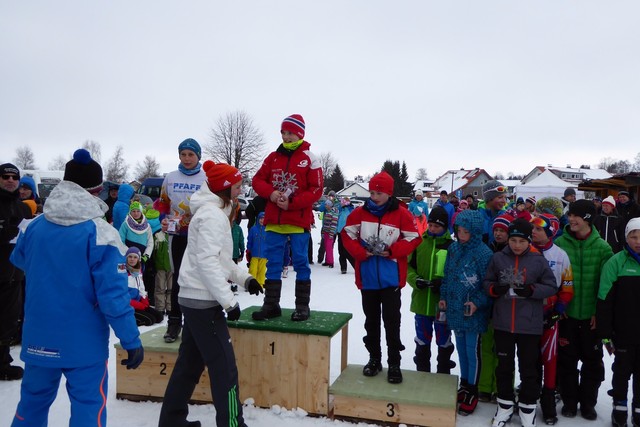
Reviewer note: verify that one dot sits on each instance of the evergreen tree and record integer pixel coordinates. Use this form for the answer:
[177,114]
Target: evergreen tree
[400,176]
[335,181]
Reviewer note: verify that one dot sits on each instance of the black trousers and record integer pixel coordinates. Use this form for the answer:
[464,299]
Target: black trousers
[344,255]
[205,342]
[578,342]
[386,303]
[626,364]
[527,347]
[178,246]
[10,309]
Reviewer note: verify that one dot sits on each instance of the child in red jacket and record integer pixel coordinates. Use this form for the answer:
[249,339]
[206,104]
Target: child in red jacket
[380,236]
[145,314]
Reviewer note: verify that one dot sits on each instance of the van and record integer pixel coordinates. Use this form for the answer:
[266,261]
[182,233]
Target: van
[45,180]
[151,187]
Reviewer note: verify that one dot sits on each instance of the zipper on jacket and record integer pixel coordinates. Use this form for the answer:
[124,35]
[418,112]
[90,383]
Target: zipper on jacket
[513,300]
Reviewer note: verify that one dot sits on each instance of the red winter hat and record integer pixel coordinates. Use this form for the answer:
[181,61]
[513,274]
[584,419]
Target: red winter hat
[294,124]
[220,176]
[382,182]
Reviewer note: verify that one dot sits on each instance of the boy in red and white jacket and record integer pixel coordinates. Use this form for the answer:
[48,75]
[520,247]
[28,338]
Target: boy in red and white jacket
[380,236]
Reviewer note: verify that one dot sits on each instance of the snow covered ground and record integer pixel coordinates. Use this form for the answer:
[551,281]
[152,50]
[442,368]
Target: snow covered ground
[331,291]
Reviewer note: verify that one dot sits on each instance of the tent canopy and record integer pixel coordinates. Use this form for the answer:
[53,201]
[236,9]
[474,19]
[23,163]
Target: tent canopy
[545,184]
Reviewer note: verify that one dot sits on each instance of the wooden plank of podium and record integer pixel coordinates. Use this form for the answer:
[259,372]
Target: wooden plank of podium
[422,399]
[280,362]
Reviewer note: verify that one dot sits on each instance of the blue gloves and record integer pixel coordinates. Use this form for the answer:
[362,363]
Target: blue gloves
[134,358]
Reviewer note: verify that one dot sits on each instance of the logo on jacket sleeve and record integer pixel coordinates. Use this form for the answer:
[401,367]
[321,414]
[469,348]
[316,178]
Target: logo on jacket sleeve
[303,163]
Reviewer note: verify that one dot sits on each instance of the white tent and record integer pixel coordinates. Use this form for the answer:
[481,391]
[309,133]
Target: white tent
[544,185]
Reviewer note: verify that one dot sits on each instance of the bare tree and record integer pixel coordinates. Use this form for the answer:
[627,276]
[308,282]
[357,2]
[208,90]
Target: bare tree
[25,159]
[58,163]
[117,168]
[636,163]
[421,174]
[237,141]
[328,163]
[93,147]
[614,166]
[148,168]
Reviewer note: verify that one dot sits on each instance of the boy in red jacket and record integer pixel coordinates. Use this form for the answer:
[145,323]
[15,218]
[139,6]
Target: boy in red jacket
[290,178]
[380,236]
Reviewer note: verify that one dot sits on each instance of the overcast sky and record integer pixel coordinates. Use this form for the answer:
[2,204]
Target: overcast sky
[501,85]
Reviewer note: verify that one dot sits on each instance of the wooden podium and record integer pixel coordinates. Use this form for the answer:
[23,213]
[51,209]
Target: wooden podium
[280,362]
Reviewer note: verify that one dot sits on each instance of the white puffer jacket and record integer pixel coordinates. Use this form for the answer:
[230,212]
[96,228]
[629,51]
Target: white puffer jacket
[207,262]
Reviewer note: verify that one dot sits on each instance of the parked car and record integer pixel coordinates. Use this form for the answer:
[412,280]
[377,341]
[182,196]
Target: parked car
[151,187]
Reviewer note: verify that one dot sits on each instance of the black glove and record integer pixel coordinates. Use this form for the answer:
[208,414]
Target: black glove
[134,358]
[500,289]
[254,287]
[435,285]
[421,283]
[525,291]
[234,313]
[550,319]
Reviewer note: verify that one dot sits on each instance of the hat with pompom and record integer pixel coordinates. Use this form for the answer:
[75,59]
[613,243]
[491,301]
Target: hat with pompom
[382,182]
[294,124]
[220,176]
[84,171]
[503,221]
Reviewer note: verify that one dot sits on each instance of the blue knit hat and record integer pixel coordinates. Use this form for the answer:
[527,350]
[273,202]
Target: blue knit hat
[190,144]
[133,250]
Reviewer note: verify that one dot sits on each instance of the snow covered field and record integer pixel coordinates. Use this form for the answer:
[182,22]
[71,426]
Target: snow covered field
[331,291]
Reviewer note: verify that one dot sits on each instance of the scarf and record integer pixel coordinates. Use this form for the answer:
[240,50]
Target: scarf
[635,255]
[137,227]
[376,210]
[190,172]
[292,146]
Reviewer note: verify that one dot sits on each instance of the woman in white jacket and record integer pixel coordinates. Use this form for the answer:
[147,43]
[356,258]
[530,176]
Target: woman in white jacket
[205,295]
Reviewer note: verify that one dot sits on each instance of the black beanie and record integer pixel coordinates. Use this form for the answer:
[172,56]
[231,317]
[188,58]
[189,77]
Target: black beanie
[84,171]
[520,228]
[9,168]
[583,208]
[438,215]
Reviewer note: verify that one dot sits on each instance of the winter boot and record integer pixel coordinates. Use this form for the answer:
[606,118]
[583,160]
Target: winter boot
[372,368]
[445,364]
[271,305]
[470,401]
[394,374]
[527,412]
[504,412]
[303,295]
[11,373]
[462,391]
[422,359]
[635,416]
[173,330]
[619,414]
[548,405]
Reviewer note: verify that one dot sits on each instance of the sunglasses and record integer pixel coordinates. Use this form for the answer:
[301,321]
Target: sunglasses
[8,177]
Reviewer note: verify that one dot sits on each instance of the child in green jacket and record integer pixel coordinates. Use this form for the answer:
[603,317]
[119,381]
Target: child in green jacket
[424,275]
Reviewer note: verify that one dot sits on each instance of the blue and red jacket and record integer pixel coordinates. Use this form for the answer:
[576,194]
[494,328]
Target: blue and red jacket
[396,229]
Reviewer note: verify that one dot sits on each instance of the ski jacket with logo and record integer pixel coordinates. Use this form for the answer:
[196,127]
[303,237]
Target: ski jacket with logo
[298,171]
[396,229]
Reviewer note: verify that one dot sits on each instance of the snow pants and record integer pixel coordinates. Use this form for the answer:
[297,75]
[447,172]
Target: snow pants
[386,303]
[468,344]
[276,244]
[626,364]
[86,387]
[177,245]
[528,349]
